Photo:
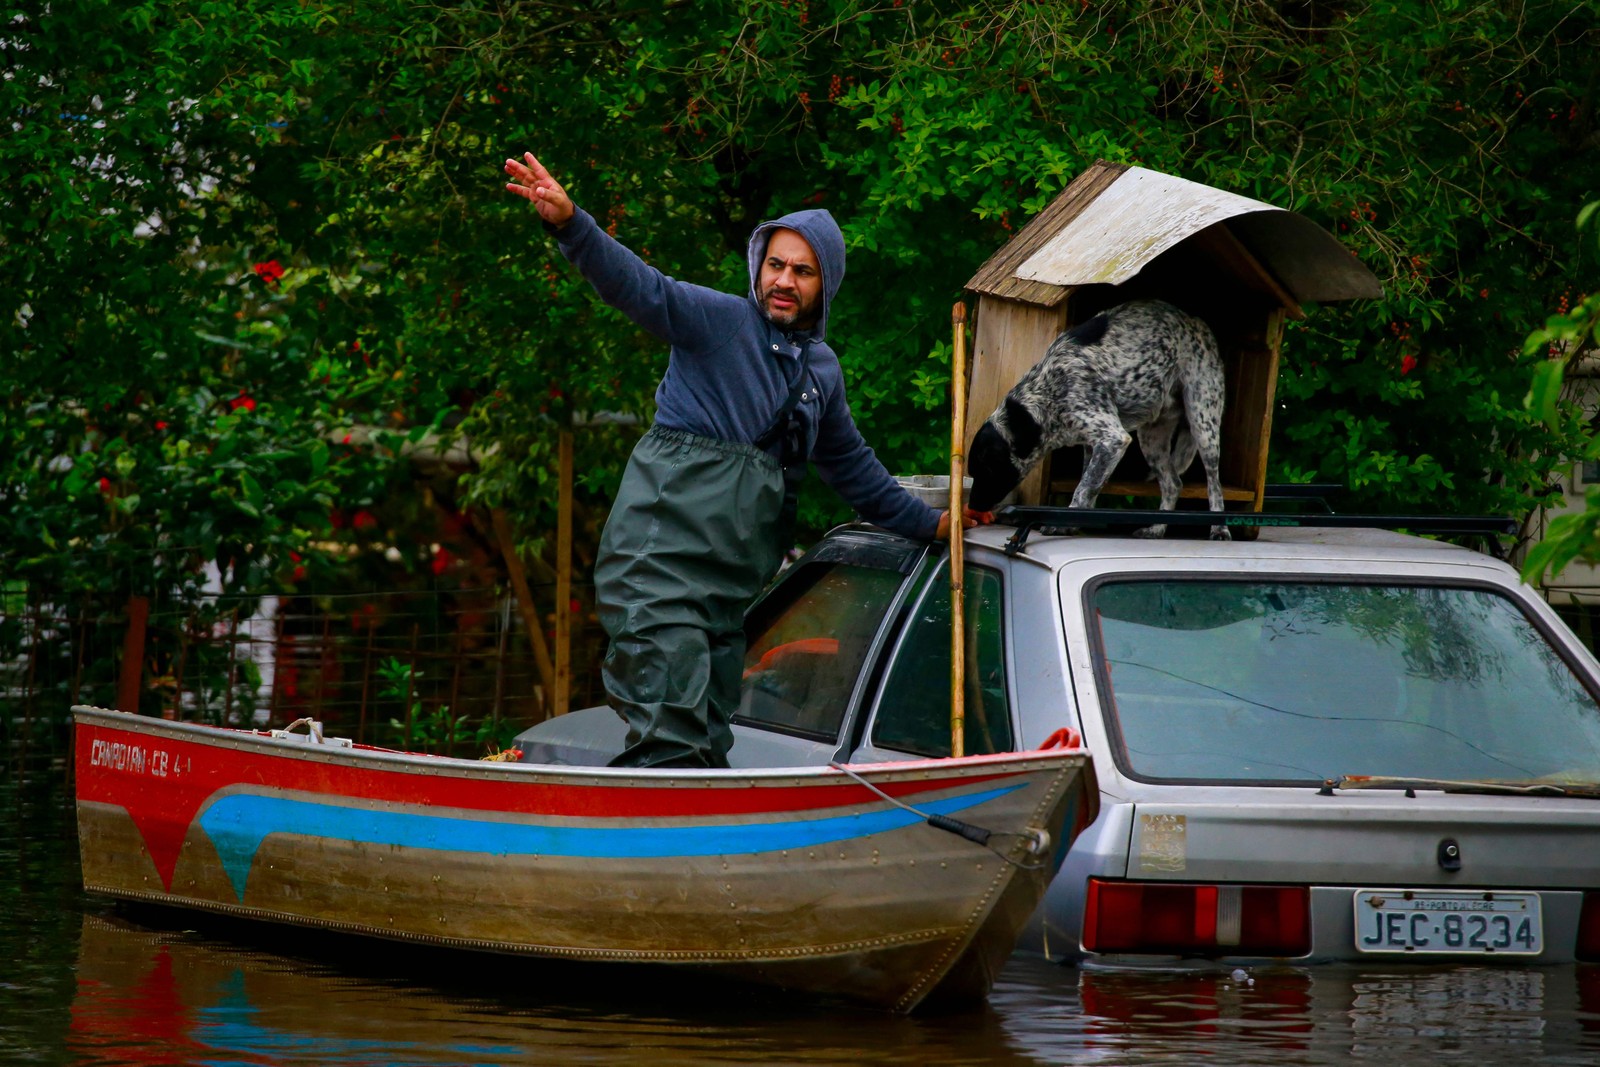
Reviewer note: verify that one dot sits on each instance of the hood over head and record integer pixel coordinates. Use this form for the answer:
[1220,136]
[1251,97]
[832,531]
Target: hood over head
[826,240]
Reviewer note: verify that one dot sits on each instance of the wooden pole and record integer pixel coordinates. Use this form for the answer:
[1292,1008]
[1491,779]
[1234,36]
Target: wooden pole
[958,598]
[275,699]
[524,598]
[563,664]
[132,675]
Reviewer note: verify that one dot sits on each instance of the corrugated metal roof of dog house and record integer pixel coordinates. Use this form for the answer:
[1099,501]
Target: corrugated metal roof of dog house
[1120,233]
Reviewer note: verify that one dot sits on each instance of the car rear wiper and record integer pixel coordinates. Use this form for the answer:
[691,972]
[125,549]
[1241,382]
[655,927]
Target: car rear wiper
[1490,786]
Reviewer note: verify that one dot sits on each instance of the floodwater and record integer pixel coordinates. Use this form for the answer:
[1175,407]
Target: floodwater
[83,983]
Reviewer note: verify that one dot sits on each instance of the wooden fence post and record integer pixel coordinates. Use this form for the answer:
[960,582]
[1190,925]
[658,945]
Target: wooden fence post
[563,664]
[525,605]
[129,682]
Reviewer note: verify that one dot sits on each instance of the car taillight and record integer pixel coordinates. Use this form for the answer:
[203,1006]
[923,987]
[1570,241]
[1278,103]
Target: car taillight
[1589,928]
[1180,918]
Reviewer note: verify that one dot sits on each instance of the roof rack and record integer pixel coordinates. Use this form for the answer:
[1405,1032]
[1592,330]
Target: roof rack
[1062,519]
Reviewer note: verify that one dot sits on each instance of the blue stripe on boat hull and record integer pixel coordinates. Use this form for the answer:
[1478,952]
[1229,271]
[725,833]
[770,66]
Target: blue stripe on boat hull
[239,822]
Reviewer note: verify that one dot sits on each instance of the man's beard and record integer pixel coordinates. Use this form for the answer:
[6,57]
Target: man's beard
[802,315]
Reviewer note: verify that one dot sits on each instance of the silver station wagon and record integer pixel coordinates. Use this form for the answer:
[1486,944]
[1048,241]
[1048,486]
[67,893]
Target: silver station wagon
[1322,744]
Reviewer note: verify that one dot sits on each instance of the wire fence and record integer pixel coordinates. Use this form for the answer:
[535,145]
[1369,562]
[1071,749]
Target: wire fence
[440,669]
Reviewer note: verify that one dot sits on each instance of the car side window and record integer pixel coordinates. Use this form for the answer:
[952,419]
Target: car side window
[806,644]
[914,710]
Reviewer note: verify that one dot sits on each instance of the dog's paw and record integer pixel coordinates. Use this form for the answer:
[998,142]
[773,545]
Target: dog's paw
[1157,531]
[1221,533]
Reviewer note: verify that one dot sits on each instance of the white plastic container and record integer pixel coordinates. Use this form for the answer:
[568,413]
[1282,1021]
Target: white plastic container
[933,489]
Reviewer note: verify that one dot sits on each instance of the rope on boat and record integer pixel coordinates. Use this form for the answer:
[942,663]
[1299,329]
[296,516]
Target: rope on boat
[1038,840]
[313,728]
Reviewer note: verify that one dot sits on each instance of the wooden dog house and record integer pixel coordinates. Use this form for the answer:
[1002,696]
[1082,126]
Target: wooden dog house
[1119,233]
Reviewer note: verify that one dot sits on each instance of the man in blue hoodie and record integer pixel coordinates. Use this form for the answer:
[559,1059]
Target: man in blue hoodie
[704,512]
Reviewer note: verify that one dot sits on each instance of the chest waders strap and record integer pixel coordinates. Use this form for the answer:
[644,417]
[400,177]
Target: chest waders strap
[787,428]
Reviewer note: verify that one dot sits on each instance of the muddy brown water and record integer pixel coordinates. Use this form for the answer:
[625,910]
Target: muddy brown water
[84,983]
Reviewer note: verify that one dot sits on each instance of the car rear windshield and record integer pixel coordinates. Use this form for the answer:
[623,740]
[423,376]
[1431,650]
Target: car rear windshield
[806,643]
[1237,681]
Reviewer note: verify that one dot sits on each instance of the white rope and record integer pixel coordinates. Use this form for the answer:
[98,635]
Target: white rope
[313,728]
[1038,840]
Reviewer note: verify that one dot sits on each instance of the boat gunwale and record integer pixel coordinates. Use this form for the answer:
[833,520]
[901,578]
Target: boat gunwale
[420,762]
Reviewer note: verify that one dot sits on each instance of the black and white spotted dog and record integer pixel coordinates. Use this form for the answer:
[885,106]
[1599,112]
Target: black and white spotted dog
[1144,367]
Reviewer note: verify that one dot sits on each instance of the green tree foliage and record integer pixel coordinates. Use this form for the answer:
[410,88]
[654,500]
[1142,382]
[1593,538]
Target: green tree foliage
[154,162]
[170,384]
[1568,337]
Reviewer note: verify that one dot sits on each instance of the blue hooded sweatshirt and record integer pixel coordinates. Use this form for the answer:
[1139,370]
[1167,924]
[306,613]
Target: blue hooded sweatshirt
[730,367]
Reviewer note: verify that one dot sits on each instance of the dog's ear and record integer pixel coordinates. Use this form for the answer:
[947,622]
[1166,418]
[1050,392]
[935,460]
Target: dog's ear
[1023,427]
[1088,333]
[992,467]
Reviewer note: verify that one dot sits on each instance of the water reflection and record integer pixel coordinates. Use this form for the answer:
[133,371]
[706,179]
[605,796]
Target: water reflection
[1325,1015]
[167,996]
[148,995]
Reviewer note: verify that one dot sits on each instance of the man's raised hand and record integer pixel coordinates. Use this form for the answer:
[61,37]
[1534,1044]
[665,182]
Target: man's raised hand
[534,182]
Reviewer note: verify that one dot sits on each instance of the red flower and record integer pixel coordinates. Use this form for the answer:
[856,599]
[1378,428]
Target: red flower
[105,485]
[243,400]
[441,561]
[160,425]
[269,272]
[1408,364]
[363,520]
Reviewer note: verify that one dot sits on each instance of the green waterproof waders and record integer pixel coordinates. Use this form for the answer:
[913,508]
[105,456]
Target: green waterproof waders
[694,536]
